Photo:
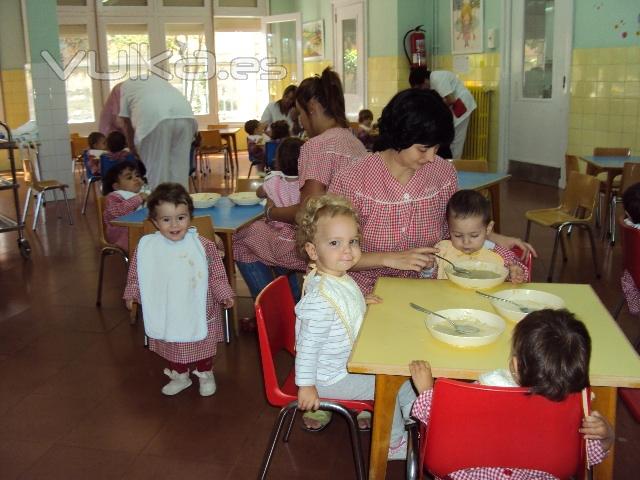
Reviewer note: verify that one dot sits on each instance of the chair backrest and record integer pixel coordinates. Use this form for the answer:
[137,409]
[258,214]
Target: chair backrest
[203,224]
[270,152]
[354,127]
[78,145]
[571,164]
[100,200]
[580,195]
[248,184]
[210,139]
[528,260]
[474,425]
[480,165]
[106,164]
[74,135]
[611,152]
[631,250]
[217,127]
[630,175]
[275,318]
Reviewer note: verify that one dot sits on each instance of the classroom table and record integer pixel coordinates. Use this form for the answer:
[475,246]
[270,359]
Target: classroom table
[393,334]
[227,218]
[485,180]
[612,166]
[229,134]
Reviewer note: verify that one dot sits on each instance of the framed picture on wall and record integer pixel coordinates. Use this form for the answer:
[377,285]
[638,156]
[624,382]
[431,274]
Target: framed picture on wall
[466,26]
[313,40]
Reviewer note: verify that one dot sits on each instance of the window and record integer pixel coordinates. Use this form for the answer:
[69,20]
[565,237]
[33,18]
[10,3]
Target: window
[74,40]
[127,51]
[239,99]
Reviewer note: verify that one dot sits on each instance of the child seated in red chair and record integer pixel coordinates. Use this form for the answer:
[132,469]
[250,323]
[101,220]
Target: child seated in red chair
[469,219]
[550,355]
[631,202]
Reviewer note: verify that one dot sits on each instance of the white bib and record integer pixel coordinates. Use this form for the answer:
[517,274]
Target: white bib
[173,278]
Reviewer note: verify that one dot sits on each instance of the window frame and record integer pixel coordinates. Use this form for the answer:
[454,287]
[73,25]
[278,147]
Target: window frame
[261,10]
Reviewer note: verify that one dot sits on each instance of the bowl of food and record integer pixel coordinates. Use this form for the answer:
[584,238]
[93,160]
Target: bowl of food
[524,301]
[245,198]
[485,327]
[480,276]
[204,200]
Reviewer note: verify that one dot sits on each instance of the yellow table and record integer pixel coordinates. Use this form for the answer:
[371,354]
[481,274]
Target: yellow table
[393,334]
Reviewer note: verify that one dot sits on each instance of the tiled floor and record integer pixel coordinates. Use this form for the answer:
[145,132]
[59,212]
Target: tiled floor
[80,396]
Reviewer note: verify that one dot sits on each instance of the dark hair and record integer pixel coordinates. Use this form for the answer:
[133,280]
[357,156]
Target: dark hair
[279,129]
[414,116]
[113,174]
[469,203]
[250,126]
[327,90]
[365,115]
[287,91]
[287,155]
[116,141]
[418,76]
[173,193]
[93,138]
[631,202]
[552,349]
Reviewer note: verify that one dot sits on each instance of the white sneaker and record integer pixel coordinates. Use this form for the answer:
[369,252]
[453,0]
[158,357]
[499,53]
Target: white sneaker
[207,382]
[179,381]
[399,452]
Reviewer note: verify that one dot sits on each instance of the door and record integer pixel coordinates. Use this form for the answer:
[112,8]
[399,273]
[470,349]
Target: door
[540,61]
[283,34]
[350,55]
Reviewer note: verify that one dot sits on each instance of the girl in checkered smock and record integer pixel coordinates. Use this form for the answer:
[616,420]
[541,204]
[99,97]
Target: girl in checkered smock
[179,278]
[631,202]
[257,248]
[401,191]
[550,354]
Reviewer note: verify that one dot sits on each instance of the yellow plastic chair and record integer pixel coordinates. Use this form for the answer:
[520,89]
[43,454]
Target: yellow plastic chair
[40,188]
[211,143]
[577,209]
[248,184]
[106,249]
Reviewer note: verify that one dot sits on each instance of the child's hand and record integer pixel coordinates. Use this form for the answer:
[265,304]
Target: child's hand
[129,303]
[516,274]
[227,302]
[596,427]
[144,196]
[371,298]
[308,398]
[421,375]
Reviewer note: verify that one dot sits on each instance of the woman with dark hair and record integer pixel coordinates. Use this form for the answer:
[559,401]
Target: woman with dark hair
[281,109]
[320,105]
[401,191]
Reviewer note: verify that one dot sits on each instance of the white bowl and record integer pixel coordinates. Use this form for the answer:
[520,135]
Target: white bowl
[500,271]
[204,200]
[491,327]
[245,198]
[533,299]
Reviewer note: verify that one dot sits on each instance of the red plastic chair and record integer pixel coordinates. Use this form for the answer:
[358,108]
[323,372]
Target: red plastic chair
[474,425]
[275,317]
[528,260]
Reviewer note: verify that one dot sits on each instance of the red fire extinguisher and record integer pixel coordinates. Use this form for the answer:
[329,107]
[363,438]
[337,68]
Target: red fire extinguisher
[417,48]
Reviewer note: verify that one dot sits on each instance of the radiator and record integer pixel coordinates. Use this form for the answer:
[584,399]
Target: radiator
[476,145]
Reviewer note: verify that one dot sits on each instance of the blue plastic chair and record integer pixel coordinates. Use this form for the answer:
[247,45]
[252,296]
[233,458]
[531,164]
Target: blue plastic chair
[91,179]
[270,153]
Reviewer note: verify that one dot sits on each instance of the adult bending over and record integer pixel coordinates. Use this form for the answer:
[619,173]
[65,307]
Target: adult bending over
[159,126]
[265,244]
[282,109]
[454,94]
[401,191]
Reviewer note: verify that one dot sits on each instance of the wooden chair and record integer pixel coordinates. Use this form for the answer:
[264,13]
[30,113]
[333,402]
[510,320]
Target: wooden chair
[217,127]
[211,143]
[630,176]
[531,432]
[480,165]
[577,208]
[40,188]
[78,146]
[571,164]
[248,184]
[107,249]
[354,126]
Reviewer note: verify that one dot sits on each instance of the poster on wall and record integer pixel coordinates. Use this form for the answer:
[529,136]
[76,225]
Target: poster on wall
[313,40]
[466,26]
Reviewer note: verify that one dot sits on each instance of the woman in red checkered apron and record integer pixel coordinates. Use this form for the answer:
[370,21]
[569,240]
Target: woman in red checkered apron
[401,191]
[260,250]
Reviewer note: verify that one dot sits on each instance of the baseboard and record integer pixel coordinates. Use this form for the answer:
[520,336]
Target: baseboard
[531,172]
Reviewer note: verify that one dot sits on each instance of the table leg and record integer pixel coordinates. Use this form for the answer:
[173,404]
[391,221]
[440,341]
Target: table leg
[495,206]
[605,402]
[386,391]
[229,266]
[608,188]
[235,150]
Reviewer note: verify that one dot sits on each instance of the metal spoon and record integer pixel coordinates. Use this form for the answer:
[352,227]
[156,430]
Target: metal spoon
[461,329]
[522,308]
[458,270]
